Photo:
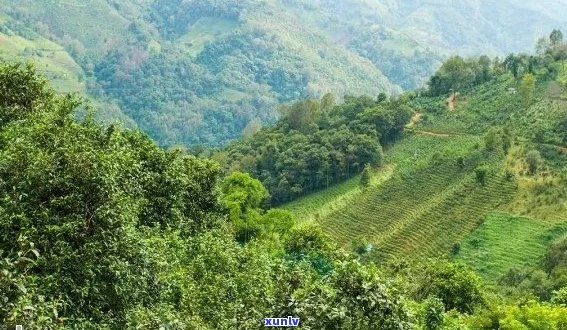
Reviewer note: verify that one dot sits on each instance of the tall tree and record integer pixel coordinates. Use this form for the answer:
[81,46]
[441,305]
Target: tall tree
[365,177]
[534,161]
[556,37]
[527,89]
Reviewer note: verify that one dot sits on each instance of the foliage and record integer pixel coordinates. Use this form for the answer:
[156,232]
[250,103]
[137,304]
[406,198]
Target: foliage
[433,313]
[22,92]
[173,18]
[101,229]
[365,177]
[534,316]
[199,71]
[312,146]
[407,69]
[242,193]
[481,174]
[527,89]
[76,192]
[534,161]
[353,297]
[456,285]
[560,297]
[457,74]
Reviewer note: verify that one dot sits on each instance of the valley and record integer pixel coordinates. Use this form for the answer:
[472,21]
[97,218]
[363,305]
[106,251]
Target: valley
[177,55]
[227,165]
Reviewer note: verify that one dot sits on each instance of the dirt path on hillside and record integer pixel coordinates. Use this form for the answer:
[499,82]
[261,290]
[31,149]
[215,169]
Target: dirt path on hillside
[434,134]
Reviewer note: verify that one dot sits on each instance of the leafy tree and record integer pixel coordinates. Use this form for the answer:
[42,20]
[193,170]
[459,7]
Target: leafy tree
[514,64]
[481,173]
[534,161]
[560,297]
[534,316]
[242,193]
[492,139]
[556,37]
[305,239]
[365,177]
[352,297]
[506,142]
[433,310]
[527,89]
[22,92]
[455,285]
[77,194]
[301,114]
[457,74]
[327,102]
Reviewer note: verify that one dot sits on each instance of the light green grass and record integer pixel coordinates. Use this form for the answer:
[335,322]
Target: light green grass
[504,241]
[50,59]
[321,204]
[205,30]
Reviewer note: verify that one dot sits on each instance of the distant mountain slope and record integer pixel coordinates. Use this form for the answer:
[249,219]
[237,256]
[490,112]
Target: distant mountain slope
[200,71]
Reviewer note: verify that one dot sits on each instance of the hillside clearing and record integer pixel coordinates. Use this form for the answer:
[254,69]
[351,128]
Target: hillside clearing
[504,241]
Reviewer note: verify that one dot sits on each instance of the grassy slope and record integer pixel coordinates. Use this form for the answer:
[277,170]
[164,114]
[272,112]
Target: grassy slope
[320,205]
[50,58]
[205,30]
[504,241]
[428,203]
[96,24]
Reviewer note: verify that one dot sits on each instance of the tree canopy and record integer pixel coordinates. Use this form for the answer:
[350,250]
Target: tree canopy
[315,145]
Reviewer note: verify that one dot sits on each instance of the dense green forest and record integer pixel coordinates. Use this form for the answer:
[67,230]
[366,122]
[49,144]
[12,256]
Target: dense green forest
[101,228]
[316,143]
[200,72]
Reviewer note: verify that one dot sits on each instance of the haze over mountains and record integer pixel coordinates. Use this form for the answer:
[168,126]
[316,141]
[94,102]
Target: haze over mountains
[203,71]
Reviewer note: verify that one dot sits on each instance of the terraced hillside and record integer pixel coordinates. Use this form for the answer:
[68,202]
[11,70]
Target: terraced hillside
[428,205]
[504,241]
[432,202]
[323,203]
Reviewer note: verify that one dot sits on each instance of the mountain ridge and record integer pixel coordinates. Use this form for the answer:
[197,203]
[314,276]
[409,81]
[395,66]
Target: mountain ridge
[282,51]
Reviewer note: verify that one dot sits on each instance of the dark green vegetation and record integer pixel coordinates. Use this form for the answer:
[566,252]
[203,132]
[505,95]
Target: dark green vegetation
[102,229]
[203,71]
[316,144]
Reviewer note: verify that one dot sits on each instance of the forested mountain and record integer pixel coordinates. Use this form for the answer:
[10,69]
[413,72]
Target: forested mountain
[200,72]
[456,222]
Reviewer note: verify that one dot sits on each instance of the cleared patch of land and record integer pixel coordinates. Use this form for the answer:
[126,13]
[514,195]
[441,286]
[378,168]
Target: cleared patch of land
[504,241]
